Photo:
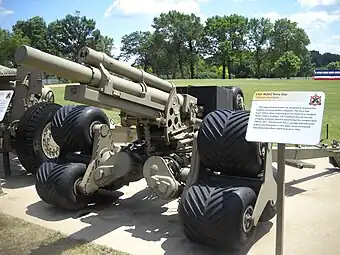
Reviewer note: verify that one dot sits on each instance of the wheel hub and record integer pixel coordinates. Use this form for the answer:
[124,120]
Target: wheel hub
[272,203]
[240,102]
[247,221]
[49,146]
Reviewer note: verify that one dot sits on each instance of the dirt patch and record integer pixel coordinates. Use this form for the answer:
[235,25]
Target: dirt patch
[18,237]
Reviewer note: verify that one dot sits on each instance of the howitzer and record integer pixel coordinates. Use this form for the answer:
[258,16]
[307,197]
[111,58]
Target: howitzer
[165,120]
[190,143]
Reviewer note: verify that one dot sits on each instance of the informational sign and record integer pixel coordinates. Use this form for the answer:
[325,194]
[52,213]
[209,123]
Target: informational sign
[293,117]
[5,99]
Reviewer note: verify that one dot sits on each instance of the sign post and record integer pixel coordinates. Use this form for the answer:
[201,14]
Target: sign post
[293,117]
[5,99]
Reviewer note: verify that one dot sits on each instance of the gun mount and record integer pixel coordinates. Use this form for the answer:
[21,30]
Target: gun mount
[190,143]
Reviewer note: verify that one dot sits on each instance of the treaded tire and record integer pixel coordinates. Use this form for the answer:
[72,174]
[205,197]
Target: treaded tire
[29,132]
[45,190]
[222,145]
[334,162]
[212,216]
[77,128]
[58,120]
[63,177]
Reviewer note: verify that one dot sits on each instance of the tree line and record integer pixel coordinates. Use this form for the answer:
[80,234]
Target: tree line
[62,37]
[182,46]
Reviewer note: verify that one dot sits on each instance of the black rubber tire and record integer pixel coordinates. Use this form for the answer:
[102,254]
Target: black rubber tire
[333,162]
[63,177]
[45,190]
[212,216]
[28,134]
[77,128]
[237,91]
[58,120]
[222,145]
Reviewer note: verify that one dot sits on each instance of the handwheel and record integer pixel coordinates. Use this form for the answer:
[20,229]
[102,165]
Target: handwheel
[77,128]
[222,145]
[58,121]
[64,178]
[34,143]
[220,217]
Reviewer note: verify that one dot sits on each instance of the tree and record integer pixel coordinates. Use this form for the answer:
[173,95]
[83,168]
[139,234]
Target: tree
[225,39]
[68,35]
[322,60]
[137,45]
[334,65]
[287,36]
[9,42]
[287,65]
[307,65]
[181,46]
[35,29]
[260,31]
[193,34]
[171,26]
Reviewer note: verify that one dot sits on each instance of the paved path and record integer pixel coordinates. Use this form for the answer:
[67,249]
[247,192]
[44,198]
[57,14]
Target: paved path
[142,224]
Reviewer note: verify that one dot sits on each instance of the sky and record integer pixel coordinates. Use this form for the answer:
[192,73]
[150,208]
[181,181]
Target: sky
[320,18]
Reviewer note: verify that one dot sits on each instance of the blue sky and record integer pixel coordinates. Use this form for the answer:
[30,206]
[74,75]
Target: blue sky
[320,18]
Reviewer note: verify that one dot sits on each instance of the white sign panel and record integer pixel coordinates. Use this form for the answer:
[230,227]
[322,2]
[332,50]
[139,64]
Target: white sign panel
[5,99]
[293,117]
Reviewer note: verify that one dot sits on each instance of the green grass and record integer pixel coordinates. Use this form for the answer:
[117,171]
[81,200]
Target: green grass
[18,237]
[249,87]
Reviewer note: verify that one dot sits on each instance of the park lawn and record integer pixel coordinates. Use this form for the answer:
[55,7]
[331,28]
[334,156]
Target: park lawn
[18,237]
[249,87]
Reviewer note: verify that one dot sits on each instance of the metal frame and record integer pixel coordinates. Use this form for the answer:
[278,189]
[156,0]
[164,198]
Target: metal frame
[26,82]
[272,190]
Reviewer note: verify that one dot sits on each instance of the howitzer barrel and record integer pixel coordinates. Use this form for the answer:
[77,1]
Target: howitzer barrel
[93,57]
[60,67]
[32,57]
[6,71]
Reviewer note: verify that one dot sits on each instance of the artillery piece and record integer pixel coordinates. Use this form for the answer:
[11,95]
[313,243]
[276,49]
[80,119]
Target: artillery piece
[190,144]
[24,122]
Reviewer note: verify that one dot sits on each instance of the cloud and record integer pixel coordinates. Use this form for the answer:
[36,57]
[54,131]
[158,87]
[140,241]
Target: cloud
[331,44]
[4,11]
[308,20]
[153,7]
[315,3]
[116,49]
[314,22]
